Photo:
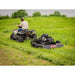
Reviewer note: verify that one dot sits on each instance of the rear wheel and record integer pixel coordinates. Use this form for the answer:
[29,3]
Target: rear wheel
[12,36]
[19,38]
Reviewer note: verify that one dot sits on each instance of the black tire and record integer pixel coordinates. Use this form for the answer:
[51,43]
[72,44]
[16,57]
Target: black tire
[34,36]
[32,44]
[58,41]
[44,35]
[12,36]
[19,38]
[35,44]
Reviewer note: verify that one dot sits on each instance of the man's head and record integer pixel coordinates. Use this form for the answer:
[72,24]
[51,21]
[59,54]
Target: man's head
[22,19]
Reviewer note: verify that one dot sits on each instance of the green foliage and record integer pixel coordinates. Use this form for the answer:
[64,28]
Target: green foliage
[44,15]
[4,17]
[19,14]
[36,14]
[30,16]
[56,13]
[63,16]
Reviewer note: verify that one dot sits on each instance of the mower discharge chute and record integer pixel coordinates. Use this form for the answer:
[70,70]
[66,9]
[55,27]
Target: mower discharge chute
[46,42]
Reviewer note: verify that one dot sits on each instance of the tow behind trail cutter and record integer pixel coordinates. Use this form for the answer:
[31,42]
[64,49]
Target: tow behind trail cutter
[46,42]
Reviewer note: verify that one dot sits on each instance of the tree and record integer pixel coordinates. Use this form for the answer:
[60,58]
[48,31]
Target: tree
[14,15]
[6,17]
[56,13]
[36,14]
[20,14]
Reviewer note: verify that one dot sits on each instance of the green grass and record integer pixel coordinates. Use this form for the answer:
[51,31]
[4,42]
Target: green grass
[60,28]
[12,56]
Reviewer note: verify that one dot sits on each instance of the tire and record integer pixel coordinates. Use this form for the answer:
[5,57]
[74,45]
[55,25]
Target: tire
[35,44]
[58,41]
[31,43]
[44,35]
[12,36]
[19,38]
[34,36]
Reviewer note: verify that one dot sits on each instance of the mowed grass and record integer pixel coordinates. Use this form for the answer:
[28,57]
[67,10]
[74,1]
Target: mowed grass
[11,56]
[60,28]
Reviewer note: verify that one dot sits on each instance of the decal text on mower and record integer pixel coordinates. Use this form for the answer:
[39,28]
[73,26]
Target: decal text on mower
[52,46]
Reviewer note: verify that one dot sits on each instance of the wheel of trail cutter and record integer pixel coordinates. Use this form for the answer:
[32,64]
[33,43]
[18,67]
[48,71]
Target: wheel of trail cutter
[34,36]
[36,44]
[58,41]
[19,38]
[32,44]
[44,35]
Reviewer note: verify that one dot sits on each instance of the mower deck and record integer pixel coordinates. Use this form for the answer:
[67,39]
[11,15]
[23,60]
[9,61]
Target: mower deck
[53,46]
[46,42]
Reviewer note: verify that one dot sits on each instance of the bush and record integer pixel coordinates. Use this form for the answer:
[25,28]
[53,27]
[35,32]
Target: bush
[4,17]
[56,13]
[44,15]
[36,14]
[0,17]
[19,14]
[63,16]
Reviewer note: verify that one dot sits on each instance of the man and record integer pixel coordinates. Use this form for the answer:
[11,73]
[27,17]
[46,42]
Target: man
[24,25]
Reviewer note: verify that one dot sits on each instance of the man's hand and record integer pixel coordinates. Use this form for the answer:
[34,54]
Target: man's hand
[18,25]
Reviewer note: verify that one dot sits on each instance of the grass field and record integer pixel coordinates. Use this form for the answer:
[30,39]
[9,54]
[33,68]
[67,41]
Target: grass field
[15,53]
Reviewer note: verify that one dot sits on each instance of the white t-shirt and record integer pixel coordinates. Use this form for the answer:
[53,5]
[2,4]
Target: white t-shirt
[24,25]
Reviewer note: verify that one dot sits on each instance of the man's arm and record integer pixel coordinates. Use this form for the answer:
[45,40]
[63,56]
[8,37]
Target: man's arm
[20,25]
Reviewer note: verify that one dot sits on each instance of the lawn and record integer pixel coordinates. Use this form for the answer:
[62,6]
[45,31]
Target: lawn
[60,28]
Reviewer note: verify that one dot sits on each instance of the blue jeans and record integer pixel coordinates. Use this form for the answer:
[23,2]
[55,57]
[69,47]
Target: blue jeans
[19,29]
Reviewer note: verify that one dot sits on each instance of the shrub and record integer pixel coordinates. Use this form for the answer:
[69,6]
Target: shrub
[19,14]
[44,15]
[36,14]
[4,17]
[63,16]
[56,13]
[0,17]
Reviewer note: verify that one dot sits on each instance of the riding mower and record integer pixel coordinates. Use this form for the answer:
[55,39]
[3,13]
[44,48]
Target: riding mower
[22,35]
[46,42]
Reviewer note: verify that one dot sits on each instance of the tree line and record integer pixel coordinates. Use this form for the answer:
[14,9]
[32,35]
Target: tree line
[23,13]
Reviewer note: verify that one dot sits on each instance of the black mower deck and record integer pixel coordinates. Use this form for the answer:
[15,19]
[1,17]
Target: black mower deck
[46,42]
[34,44]
[53,46]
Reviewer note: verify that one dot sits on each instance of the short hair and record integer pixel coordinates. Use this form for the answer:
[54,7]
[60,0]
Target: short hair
[22,19]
